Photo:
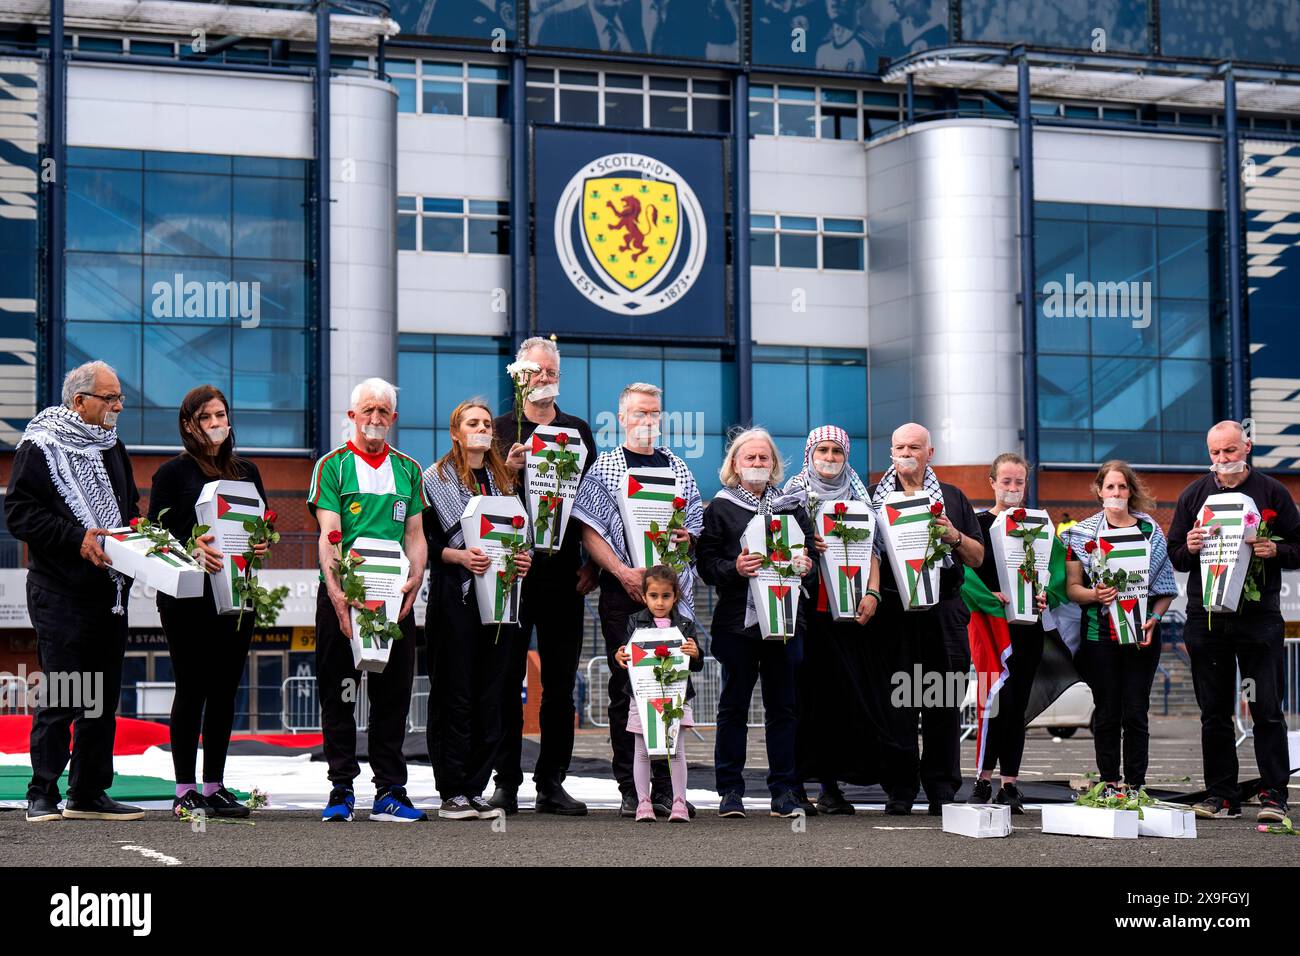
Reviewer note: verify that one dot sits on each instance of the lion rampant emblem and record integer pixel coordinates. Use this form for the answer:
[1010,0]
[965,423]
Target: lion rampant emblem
[628,221]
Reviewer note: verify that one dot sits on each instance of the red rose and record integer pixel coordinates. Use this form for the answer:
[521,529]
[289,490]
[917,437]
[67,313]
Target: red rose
[775,526]
[1090,547]
[841,508]
[1267,515]
[662,652]
[134,522]
[335,537]
[679,503]
[1018,514]
[517,521]
[562,439]
[936,509]
[270,517]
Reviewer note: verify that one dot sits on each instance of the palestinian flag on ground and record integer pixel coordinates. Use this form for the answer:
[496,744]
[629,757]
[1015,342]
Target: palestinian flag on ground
[235,508]
[990,644]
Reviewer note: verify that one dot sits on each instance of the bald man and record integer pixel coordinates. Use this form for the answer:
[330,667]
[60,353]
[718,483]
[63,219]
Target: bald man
[934,639]
[1251,637]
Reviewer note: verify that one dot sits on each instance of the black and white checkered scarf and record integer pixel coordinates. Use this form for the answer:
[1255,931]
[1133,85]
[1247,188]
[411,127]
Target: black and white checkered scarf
[74,452]
[450,497]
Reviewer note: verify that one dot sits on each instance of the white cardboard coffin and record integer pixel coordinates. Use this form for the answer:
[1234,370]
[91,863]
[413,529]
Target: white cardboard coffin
[648,696]
[487,524]
[979,820]
[174,573]
[776,597]
[905,531]
[1225,557]
[1127,549]
[1009,551]
[647,495]
[543,482]
[1293,749]
[384,571]
[1167,822]
[1073,820]
[845,574]
[224,506]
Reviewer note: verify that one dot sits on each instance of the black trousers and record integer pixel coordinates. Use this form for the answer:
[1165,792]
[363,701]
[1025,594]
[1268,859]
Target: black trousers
[615,608]
[467,666]
[907,651]
[79,646]
[550,602]
[1254,642]
[209,652]
[835,738]
[1120,677]
[389,695]
[1006,735]
[746,658]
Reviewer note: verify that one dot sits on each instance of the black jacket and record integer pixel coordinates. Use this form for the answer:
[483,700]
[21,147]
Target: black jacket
[715,556]
[38,515]
[176,487]
[643,618]
[1267,493]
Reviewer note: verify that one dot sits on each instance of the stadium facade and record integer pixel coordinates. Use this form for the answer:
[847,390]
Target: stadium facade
[1009,221]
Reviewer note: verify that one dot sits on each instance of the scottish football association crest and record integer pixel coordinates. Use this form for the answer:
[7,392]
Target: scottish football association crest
[629,232]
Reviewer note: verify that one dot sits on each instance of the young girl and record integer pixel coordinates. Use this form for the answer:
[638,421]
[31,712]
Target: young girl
[659,586]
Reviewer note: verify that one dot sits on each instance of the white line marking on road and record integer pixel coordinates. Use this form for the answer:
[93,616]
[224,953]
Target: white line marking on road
[153,854]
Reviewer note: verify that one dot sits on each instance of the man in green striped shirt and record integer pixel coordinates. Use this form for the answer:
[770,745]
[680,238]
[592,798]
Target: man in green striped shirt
[366,489]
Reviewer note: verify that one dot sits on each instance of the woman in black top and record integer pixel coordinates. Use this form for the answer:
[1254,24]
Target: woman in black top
[750,476]
[208,650]
[1005,742]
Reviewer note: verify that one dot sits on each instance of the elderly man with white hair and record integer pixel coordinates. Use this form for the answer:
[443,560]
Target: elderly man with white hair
[365,488]
[1250,637]
[640,409]
[935,640]
[71,483]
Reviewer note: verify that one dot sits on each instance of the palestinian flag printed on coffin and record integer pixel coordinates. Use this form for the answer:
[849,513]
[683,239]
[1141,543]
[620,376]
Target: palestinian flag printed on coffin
[775,597]
[845,576]
[558,493]
[1127,549]
[648,695]
[781,597]
[225,506]
[235,508]
[647,495]
[908,510]
[488,523]
[906,529]
[498,527]
[383,570]
[1225,557]
[1009,552]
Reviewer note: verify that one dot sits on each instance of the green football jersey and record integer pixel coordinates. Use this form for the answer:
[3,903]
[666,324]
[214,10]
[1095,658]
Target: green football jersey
[373,495]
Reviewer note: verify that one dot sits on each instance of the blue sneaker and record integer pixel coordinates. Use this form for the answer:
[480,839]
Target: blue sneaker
[731,805]
[339,809]
[786,805]
[395,807]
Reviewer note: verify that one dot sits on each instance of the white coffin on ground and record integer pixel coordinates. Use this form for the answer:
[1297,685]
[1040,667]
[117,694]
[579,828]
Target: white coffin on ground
[224,506]
[776,596]
[979,820]
[1009,552]
[1167,822]
[647,495]
[905,532]
[1225,557]
[648,696]
[488,523]
[1127,549]
[544,484]
[846,565]
[174,572]
[383,571]
[1073,820]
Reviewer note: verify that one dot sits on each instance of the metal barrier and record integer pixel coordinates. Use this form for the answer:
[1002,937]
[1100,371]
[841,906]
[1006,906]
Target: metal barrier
[300,706]
[13,695]
[704,706]
[1290,693]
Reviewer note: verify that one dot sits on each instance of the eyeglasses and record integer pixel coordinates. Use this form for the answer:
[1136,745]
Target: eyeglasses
[118,399]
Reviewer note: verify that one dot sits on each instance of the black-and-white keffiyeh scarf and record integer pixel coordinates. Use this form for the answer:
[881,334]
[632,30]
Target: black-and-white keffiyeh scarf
[74,452]
[596,505]
[772,502]
[1160,580]
[889,483]
[450,498]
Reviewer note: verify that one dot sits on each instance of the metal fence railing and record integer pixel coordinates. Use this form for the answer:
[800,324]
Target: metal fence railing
[704,706]
[1290,694]
[300,705]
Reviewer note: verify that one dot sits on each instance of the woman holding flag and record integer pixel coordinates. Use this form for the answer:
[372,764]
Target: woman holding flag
[835,738]
[1006,656]
[1119,672]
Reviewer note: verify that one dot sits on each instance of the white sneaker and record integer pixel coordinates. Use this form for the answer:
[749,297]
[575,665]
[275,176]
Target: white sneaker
[457,808]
